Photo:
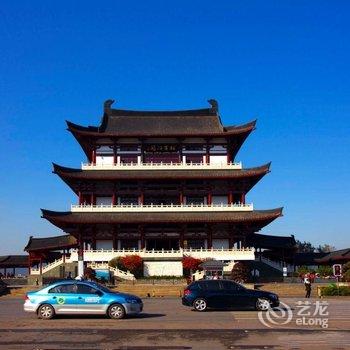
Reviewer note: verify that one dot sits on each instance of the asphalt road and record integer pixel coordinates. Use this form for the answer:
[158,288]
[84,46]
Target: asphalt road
[166,324]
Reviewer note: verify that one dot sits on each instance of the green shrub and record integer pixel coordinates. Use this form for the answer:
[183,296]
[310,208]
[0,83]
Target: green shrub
[302,270]
[346,276]
[116,263]
[325,271]
[240,272]
[333,289]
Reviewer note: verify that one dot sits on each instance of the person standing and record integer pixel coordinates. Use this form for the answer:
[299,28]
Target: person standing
[307,284]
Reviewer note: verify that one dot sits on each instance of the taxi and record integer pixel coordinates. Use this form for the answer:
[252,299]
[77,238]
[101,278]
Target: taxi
[81,297]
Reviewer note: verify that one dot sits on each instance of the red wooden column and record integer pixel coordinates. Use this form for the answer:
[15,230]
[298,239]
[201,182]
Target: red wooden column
[80,196]
[142,236]
[181,197]
[209,236]
[141,196]
[93,239]
[93,156]
[114,154]
[207,153]
[230,197]
[115,238]
[41,266]
[209,198]
[182,236]
[80,255]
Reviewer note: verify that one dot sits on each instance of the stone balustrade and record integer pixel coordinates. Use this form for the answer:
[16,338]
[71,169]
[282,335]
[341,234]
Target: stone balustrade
[162,166]
[217,254]
[162,208]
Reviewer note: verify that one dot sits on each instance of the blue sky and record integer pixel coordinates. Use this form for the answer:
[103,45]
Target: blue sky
[283,62]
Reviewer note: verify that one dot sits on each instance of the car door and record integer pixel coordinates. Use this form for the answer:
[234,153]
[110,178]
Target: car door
[214,294]
[90,299]
[63,298]
[236,294]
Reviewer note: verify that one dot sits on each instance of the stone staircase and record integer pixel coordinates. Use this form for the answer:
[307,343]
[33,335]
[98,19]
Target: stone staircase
[120,274]
[267,273]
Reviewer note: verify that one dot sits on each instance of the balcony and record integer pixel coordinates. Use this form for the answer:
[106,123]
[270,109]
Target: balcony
[217,254]
[125,208]
[162,166]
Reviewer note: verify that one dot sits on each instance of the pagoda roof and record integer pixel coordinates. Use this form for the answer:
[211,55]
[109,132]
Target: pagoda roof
[130,123]
[14,261]
[71,175]
[118,123]
[50,243]
[271,242]
[256,218]
[307,258]
[338,256]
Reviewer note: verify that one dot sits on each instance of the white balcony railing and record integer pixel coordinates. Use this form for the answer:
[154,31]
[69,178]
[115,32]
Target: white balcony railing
[103,255]
[162,208]
[162,166]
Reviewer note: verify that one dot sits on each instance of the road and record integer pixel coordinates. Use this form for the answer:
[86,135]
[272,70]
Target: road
[166,324]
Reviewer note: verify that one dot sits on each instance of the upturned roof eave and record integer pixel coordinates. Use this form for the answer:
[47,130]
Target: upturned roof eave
[61,219]
[93,131]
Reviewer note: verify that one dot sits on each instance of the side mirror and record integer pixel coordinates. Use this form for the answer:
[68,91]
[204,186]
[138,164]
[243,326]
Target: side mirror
[99,293]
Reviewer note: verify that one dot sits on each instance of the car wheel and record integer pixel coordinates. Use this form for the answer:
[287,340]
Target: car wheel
[116,311]
[200,304]
[262,304]
[46,312]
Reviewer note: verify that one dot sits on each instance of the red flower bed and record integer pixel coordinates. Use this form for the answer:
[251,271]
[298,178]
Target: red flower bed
[132,263]
[190,263]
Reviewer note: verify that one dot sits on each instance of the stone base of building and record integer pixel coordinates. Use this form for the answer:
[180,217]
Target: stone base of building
[162,268]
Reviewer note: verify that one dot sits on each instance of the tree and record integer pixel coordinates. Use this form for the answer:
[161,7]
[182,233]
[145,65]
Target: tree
[346,272]
[190,264]
[132,263]
[240,272]
[305,247]
[90,274]
[326,248]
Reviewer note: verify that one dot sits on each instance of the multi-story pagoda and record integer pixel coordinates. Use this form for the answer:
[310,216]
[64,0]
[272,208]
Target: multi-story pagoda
[165,184]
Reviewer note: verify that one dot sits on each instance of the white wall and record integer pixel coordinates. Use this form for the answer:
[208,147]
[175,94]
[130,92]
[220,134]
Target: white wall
[219,199]
[104,244]
[104,160]
[218,159]
[103,200]
[221,243]
[162,268]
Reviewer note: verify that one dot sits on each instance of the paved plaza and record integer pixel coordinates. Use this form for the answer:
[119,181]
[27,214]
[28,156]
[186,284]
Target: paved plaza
[166,324]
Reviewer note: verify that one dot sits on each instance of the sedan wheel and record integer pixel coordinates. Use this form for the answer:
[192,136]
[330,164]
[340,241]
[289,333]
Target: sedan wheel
[46,312]
[116,311]
[200,305]
[262,304]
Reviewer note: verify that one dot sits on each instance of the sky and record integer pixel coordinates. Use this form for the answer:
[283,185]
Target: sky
[285,63]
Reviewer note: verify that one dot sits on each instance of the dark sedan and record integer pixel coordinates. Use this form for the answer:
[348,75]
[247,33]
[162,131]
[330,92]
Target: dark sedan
[225,294]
